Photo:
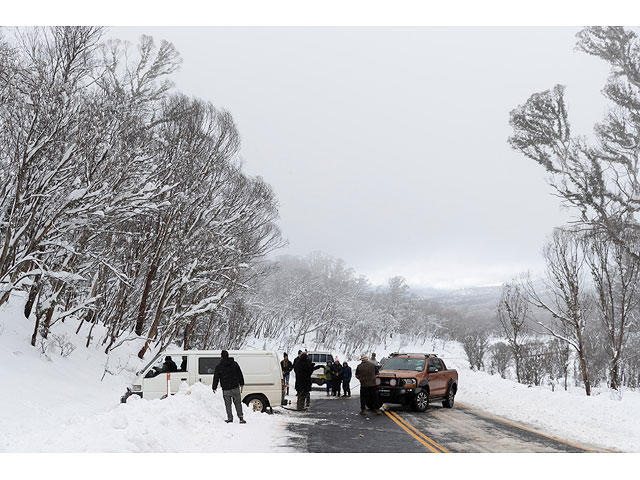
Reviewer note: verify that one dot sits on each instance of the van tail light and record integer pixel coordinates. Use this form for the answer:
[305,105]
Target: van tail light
[136,388]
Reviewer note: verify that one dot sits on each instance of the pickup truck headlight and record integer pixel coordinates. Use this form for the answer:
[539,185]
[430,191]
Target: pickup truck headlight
[136,388]
[409,382]
[393,382]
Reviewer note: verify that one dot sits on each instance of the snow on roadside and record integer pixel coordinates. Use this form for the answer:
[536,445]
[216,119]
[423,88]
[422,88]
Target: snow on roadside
[52,403]
[190,421]
[598,421]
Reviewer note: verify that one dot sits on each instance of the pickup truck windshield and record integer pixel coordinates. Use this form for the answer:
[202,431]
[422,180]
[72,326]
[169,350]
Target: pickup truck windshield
[399,363]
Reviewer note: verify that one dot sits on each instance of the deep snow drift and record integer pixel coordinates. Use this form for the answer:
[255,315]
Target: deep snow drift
[56,404]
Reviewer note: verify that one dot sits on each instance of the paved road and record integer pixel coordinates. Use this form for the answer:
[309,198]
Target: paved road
[335,425]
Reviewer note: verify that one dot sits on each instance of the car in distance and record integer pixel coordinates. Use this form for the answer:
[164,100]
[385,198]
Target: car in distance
[319,358]
[415,379]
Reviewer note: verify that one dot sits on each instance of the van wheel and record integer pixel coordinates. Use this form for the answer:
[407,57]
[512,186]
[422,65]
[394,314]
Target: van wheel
[258,403]
[421,401]
[451,393]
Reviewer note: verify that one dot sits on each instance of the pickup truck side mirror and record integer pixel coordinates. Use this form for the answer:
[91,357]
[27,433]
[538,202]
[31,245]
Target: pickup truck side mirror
[432,369]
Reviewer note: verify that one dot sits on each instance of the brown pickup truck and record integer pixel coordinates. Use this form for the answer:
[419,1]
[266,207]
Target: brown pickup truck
[415,379]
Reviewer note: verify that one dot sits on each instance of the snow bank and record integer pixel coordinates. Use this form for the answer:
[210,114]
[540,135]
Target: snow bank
[190,421]
[601,420]
[52,403]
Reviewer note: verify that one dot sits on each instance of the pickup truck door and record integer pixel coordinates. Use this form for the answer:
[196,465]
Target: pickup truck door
[437,378]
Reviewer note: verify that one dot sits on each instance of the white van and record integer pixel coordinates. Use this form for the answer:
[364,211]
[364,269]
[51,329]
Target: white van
[319,358]
[261,371]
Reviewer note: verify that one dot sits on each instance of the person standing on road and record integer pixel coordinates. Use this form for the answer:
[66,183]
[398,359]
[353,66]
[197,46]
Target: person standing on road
[346,379]
[336,373]
[286,366]
[303,369]
[366,374]
[328,378]
[374,360]
[229,374]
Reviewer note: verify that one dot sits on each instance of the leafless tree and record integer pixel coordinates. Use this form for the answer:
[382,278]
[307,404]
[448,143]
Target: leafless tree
[565,296]
[601,181]
[513,311]
[475,344]
[616,277]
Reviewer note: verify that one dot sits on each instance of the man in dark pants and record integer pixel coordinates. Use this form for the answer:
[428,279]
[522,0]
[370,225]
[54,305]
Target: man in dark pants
[336,373]
[303,368]
[366,373]
[229,375]
[346,379]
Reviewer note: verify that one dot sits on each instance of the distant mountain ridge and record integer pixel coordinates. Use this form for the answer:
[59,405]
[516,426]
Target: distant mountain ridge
[463,297]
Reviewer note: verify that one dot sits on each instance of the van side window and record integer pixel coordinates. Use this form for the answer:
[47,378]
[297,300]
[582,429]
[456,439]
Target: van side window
[207,365]
[329,358]
[183,364]
[323,358]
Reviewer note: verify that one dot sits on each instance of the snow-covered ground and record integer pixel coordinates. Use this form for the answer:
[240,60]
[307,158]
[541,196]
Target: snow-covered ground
[602,420]
[51,403]
[59,404]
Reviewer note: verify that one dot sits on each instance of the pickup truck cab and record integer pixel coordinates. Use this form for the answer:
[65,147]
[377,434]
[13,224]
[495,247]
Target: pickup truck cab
[415,379]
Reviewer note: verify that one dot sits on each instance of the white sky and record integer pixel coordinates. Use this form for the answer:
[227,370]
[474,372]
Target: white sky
[387,147]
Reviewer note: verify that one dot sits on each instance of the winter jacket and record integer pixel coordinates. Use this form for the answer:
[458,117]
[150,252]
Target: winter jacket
[286,368]
[303,368]
[366,373]
[327,373]
[229,375]
[336,371]
[346,374]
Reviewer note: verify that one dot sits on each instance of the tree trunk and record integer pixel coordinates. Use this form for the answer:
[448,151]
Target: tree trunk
[614,374]
[143,301]
[156,321]
[47,322]
[33,294]
[583,369]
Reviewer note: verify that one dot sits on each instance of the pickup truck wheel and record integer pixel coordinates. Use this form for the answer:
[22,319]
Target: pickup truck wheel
[451,393]
[421,401]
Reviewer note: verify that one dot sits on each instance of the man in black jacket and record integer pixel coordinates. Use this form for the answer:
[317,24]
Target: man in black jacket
[229,375]
[303,367]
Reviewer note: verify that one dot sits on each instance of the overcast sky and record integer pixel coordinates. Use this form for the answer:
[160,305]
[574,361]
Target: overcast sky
[387,147]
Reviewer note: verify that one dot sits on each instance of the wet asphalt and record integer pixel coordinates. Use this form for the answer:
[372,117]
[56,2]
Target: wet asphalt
[334,424]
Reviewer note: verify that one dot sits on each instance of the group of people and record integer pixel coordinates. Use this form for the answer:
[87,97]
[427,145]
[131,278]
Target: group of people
[336,375]
[229,375]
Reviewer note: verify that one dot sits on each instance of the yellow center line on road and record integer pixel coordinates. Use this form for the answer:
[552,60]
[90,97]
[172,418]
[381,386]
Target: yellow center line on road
[499,419]
[411,433]
[432,442]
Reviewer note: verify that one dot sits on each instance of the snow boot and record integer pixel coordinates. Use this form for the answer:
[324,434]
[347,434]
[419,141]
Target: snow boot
[363,412]
[242,420]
